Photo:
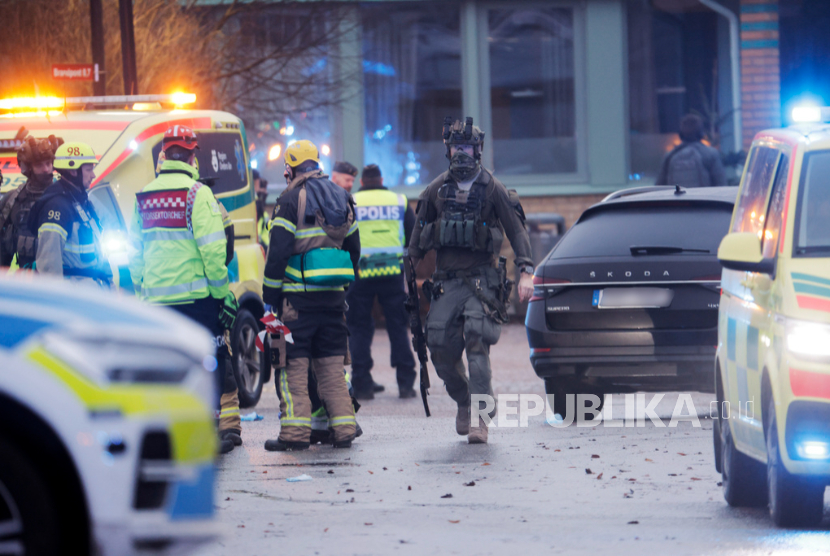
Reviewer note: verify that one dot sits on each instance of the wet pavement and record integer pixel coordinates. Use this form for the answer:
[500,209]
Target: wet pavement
[410,485]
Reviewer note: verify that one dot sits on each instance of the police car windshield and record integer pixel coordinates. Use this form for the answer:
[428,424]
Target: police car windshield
[812,236]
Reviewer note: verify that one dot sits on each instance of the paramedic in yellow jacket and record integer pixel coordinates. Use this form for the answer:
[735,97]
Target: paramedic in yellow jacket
[313,255]
[179,249]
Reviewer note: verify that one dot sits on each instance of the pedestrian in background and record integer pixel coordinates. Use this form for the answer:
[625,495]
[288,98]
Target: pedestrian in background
[691,163]
[385,221]
[344,174]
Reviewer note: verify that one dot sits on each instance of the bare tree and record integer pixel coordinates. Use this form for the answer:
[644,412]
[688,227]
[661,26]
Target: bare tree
[263,61]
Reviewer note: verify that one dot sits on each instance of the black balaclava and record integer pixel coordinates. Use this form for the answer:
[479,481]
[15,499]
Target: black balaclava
[464,167]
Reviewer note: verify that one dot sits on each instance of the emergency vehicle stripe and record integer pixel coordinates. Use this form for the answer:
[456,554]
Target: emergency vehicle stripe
[49,227]
[210,238]
[272,283]
[282,222]
[167,236]
[173,290]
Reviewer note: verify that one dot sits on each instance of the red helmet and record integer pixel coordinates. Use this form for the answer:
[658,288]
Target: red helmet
[180,136]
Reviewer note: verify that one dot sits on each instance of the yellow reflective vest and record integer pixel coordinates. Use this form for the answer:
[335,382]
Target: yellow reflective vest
[177,239]
[380,219]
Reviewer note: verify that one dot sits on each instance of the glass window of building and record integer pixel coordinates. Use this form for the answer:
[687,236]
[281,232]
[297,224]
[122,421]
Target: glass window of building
[412,80]
[678,64]
[532,90]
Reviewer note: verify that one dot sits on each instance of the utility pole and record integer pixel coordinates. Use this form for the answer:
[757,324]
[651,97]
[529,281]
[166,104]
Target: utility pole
[125,12]
[96,18]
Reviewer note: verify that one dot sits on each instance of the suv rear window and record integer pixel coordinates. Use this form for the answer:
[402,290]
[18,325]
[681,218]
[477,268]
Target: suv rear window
[613,231]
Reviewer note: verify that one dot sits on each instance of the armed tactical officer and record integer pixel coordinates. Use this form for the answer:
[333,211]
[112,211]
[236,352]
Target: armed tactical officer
[313,255]
[35,158]
[463,214]
[68,229]
[179,253]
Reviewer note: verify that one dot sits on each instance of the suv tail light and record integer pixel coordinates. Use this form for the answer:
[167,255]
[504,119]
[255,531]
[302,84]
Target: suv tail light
[539,289]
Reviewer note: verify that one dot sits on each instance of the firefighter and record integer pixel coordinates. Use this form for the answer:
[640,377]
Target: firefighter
[35,158]
[67,227]
[179,252]
[315,248]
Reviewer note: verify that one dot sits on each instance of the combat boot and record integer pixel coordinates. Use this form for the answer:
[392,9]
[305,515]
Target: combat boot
[462,420]
[277,445]
[231,435]
[478,434]
[225,445]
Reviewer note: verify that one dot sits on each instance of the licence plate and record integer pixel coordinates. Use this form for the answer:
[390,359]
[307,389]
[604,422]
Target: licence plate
[632,298]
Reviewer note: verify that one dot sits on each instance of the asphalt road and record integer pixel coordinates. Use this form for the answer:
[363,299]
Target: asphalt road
[410,485]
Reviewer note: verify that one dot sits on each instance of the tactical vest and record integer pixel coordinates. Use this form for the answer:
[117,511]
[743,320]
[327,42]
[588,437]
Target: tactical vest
[380,218]
[464,219]
[318,261]
[14,221]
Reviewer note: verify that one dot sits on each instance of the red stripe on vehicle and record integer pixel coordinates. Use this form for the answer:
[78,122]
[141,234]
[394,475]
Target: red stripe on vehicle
[65,124]
[194,123]
[806,384]
[814,303]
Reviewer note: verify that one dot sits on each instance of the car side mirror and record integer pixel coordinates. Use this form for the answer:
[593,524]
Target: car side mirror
[742,251]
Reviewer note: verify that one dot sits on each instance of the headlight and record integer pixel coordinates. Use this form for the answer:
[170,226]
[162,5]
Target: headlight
[808,339]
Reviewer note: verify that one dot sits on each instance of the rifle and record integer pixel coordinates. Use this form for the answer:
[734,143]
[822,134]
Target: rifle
[419,342]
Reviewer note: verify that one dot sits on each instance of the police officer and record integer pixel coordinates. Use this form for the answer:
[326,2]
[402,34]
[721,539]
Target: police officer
[179,250]
[35,158]
[463,214]
[68,230]
[385,220]
[314,252]
[344,174]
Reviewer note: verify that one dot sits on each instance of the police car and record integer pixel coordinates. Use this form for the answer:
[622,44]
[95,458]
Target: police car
[125,132]
[107,441]
[772,434]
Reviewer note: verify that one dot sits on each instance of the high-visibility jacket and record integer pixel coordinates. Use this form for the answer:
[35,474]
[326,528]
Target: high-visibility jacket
[380,218]
[177,239]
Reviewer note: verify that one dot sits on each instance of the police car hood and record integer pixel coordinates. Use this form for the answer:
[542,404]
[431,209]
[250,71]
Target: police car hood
[32,305]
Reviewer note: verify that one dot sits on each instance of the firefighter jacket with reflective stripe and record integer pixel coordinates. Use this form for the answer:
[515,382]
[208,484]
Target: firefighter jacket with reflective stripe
[68,234]
[293,232]
[380,218]
[177,239]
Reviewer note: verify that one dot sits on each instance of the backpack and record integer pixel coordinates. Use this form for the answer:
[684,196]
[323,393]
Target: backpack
[686,168]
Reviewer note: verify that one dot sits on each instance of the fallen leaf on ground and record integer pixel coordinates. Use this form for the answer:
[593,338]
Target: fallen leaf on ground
[635,522]
[240,526]
[349,490]
[409,488]
[371,472]
[470,484]
[367,524]
[695,479]
[588,471]
[680,454]
[485,463]
[326,530]
[455,521]
[651,460]
[557,450]
[331,472]
[384,469]
[599,476]
[594,456]
[672,474]
[447,495]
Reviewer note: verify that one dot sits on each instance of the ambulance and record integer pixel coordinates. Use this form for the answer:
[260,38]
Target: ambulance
[125,132]
[772,368]
[107,442]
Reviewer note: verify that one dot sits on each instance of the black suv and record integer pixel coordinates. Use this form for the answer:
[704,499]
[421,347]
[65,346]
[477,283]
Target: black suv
[628,299]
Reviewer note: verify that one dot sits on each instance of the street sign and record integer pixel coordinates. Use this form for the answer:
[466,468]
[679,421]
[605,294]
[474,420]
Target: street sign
[75,72]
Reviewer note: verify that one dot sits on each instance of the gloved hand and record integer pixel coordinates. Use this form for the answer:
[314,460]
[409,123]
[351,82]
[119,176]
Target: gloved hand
[276,308]
[227,313]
